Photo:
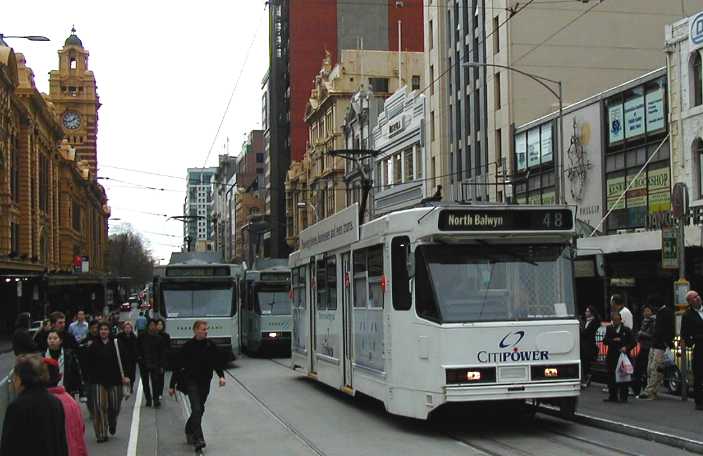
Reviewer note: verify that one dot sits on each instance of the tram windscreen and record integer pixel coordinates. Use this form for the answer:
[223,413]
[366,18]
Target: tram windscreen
[488,282]
[188,300]
[273,302]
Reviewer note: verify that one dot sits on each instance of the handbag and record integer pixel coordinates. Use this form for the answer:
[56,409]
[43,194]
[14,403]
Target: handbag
[624,369]
[126,389]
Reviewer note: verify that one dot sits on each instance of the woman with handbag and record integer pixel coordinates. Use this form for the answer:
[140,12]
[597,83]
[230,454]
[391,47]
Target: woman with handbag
[619,340]
[107,380]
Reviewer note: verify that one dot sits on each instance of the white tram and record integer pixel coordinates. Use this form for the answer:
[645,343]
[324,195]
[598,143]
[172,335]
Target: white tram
[434,305]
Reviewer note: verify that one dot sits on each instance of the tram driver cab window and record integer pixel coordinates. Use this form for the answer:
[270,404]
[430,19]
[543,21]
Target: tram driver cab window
[400,281]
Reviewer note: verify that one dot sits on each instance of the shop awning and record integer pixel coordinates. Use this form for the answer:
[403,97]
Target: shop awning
[632,242]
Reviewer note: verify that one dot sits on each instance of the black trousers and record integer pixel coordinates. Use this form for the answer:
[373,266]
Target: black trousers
[698,373]
[616,390]
[640,372]
[153,389]
[197,395]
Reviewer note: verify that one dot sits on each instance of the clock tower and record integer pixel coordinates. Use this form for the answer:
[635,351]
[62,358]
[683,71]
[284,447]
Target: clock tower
[73,92]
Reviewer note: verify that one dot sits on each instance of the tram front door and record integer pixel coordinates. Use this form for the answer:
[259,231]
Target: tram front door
[347,323]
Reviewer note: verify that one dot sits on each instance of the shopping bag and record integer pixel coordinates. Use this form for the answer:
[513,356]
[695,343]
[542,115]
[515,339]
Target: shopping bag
[624,369]
[669,360]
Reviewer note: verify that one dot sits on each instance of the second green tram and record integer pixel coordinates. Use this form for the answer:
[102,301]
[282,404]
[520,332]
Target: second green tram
[265,308]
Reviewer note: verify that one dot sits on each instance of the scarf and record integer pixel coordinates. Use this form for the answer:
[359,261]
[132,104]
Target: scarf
[60,360]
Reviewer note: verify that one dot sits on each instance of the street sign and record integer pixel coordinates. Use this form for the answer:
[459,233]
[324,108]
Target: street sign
[679,200]
[670,251]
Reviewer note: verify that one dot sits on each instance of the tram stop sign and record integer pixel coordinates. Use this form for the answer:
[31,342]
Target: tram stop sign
[679,200]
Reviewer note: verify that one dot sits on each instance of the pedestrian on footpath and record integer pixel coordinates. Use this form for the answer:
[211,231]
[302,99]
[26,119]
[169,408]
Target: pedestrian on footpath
[192,376]
[75,427]
[34,422]
[617,303]
[644,339]
[106,396]
[161,329]
[662,340]
[66,359]
[692,336]
[22,342]
[79,328]
[57,322]
[619,340]
[128,340]
[152,362]
[589,326]
[141,323]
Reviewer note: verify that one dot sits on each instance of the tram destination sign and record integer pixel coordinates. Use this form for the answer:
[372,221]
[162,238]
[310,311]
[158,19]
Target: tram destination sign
[506,220]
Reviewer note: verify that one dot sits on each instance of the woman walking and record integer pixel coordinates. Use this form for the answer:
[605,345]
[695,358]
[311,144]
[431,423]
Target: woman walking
[198,358]
[106,394]
[161,330]
[128,342]
[67,360]
[589,326]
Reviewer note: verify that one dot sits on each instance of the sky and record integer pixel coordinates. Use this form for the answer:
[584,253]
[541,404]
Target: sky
[165,71]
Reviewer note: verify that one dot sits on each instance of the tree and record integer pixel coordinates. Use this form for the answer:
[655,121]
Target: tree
[129,257]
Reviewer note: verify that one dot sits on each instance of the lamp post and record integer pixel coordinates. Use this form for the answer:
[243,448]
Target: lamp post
[187,218]
[304,204]
[22,37]
[559,157]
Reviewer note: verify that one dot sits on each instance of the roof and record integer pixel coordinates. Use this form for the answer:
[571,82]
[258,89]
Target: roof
[73,39]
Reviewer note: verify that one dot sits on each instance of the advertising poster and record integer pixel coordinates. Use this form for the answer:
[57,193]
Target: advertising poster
[616,186]
[634,117]
[659,190]
[521,151]
[533,153]
[546,151]
[637,195]
[615,127]
[655,110]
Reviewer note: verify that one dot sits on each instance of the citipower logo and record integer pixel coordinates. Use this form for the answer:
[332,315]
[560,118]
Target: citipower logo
[696,32]
[511,352]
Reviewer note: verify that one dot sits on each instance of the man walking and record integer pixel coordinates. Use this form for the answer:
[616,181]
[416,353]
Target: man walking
[79,328]
[57,321]
[198,358]
[692,335]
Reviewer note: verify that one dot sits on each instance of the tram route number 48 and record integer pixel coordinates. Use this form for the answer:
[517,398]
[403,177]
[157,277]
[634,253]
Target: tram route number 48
[505,220]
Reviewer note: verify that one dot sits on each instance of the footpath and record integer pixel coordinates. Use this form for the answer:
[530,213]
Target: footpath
[667,420]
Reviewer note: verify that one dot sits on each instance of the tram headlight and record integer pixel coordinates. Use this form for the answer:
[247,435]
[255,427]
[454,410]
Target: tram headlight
[470,375]
[550,372]
[273,335]
[473,376]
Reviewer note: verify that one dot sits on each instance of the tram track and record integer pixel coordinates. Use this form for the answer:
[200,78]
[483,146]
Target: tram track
[282,421]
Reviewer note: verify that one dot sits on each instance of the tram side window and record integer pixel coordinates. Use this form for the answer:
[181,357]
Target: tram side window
[321,285]
[400,249]
[331,283]
[299,287]
[368,277]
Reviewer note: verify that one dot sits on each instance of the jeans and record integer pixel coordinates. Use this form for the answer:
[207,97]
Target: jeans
[197,395]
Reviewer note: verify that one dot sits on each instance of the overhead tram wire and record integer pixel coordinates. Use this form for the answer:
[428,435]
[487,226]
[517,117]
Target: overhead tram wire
[144,172]
[236,84]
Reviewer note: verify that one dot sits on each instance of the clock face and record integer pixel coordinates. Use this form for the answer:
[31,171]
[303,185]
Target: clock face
[71,120]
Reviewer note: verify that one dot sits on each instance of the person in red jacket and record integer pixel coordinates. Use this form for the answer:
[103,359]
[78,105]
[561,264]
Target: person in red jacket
[75,427]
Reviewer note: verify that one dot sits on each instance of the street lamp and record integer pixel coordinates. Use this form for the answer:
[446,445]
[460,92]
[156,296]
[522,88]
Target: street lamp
[303,205]
[22,37]
[558,94]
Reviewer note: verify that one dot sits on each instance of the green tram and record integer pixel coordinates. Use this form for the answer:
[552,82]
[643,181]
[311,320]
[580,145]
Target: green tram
[265,314]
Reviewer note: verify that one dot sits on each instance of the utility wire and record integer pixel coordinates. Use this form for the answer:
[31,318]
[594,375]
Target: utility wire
[236,84]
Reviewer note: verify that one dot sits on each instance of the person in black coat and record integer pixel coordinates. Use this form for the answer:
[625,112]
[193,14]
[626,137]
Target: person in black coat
[106,383]
[589,326]
[161,329]
[662,339]
[619,340]
[69,367]
[22,341]
[692,336]
[199,357]
[128,340]
[644,338]
[34,422]
[152,362]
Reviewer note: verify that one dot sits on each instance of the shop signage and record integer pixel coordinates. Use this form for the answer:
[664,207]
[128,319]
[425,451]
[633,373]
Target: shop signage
[546,142]
[695,35]
[521,151]
[395,128]
[615,129]
[634,117]
[533,144]
[670,255]
[655,110]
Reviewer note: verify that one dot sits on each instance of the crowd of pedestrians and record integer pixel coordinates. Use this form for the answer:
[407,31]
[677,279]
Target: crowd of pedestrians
[95,361]
[642,375]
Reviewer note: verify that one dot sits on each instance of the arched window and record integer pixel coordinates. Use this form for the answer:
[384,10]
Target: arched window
[697,79]
[697,151]
[73,63]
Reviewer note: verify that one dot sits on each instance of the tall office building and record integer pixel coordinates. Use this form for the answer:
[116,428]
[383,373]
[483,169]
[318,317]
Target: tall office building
[300,33]
[197,226]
